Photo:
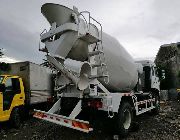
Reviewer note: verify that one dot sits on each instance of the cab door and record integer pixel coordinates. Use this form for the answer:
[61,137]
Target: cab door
[147,78]
[11,96]
[1,99]
[155,79]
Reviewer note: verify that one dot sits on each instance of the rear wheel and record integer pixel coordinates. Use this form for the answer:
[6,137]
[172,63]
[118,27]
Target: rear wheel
[124,119]
[15,118]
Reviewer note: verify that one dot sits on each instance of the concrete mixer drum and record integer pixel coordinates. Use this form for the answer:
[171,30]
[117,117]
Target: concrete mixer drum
[82,42]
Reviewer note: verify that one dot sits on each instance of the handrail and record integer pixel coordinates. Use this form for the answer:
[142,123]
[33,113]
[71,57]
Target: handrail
[89,14]
[84,19]
[99,35]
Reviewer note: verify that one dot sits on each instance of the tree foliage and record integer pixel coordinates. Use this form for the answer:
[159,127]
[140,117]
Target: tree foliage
[4,66]
[1,52]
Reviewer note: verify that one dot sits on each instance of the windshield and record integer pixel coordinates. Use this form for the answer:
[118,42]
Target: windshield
[1,79]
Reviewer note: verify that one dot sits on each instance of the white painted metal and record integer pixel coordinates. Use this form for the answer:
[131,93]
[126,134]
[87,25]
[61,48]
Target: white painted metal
[111,100]
[143,110]
[53,13]
[76,110]
[56,107]
[120,65]
[78,74]
[155,83]
[139,68]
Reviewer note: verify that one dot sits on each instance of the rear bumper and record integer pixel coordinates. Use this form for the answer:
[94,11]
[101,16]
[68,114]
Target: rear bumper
[76,124]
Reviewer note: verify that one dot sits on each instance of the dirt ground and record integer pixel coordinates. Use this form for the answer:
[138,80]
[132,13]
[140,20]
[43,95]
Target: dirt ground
[165,126]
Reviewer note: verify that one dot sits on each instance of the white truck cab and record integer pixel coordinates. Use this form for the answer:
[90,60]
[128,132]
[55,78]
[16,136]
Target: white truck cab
[150,74]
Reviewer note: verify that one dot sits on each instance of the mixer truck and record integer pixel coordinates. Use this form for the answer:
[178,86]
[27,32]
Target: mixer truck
[94,72]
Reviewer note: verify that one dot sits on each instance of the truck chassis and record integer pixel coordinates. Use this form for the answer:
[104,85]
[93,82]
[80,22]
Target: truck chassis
[109,102]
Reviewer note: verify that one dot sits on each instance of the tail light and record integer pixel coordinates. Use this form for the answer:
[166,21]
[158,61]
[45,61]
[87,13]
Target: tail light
[95,104]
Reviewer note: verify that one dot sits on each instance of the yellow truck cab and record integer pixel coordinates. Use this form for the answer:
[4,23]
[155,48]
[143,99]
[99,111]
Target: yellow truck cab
[12,98]
[23,87]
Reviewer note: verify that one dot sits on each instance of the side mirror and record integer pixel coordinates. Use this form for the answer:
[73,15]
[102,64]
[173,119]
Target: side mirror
[2,87]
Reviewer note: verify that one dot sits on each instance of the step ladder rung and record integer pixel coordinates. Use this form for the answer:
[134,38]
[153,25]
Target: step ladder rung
[98,76]
[95,53]
[98,65]
[90,38]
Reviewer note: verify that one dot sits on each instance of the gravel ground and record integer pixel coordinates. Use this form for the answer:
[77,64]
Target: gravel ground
[165,126]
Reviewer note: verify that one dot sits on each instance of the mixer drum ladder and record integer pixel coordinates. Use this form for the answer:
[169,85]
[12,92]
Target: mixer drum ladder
[96,54]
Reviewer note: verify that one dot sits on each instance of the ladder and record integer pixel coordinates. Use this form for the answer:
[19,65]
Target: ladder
[95,48]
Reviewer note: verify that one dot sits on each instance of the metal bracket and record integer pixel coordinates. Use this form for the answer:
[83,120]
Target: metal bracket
[76,110]
[56,107]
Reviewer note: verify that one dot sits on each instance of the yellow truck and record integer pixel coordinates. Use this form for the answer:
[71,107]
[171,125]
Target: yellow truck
[25,85]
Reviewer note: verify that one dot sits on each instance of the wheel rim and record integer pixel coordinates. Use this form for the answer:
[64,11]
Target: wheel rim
[127,119]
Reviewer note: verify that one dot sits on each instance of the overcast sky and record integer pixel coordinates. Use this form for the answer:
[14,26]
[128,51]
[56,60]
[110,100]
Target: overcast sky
[141,26]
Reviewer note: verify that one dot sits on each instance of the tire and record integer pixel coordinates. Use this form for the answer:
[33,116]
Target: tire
[124,119]
[156,110]
[15,118]
[25,113]
[178,98]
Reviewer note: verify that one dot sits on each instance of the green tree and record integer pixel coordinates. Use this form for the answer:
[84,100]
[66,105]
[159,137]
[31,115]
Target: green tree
[3,66]
[1,52]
